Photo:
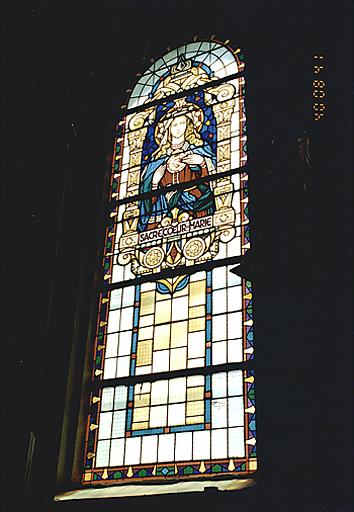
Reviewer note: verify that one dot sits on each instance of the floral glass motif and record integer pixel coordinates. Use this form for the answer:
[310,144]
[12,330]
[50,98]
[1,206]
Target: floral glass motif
[171,311]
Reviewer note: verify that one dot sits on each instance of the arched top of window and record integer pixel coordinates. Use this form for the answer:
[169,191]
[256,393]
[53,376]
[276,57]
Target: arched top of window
[210,60]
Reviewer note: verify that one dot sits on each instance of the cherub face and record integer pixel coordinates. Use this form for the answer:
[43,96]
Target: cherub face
[178,126]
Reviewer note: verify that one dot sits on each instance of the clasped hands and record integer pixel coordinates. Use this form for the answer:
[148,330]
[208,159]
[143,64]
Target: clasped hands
[175,164]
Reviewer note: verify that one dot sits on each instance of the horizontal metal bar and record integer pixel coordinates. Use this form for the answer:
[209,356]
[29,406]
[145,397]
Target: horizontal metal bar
[153,377]
[172,97]
[173,272]
[179,186]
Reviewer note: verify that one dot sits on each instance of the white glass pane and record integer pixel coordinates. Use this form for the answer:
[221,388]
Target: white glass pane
[143,388]
[143,370]
[235,163]
[234,348]
[112,345]
[234,247]
[216,67]
[222,252]
[232,278]
[198,276]
[102,454]
[219,277]
[219,352]
[177,390]
[128,296]
[235,383]
[166,448]
[236,411]
[219,301]
[219,443]
[124,343]
[158,416]
[234,298]
[236,442]
[196,363]
[117,452]
[219,413]
[127,319]
[132,450]
[219,385]
[195,380]
[147,287]
[104,430]
[219,328]
[123,366]
[119,231]
[146,333]
[113,321]
[146,320]
[201,445]
[159,391]
[133,102]
[180,308]
[160,361]
[120,397]
[117,274]
[110,368]
[196,344]
[235,324]
[149,449]
[118,428]
[176,414]
[183,446]
[116,296]
[107,399]
[137,89]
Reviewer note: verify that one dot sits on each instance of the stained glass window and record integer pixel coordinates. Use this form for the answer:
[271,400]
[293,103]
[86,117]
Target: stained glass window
[173,380]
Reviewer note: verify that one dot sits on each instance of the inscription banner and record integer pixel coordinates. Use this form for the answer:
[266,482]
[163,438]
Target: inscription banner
[180,228]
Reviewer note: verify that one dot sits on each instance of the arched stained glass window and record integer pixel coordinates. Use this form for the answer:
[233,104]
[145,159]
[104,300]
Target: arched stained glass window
[173,382]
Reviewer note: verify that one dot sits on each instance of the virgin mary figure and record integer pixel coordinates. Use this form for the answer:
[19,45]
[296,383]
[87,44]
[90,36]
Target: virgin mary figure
[181,157]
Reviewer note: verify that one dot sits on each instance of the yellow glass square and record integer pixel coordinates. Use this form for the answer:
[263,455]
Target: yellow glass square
[195,393]
[163,312]
[141,414]
[179,334]
[146,320]
[147,303]
[197,311]
[144,353]
[178,358]
[141,400]
[253,464]
[145,333]
[140,425]
[190,420]
[196,324]
[195,408]
[162,337]
[197,293]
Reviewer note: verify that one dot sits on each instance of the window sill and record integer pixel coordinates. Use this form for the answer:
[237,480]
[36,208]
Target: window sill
[118,491]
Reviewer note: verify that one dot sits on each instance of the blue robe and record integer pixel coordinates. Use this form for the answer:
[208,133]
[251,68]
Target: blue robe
[182,199]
